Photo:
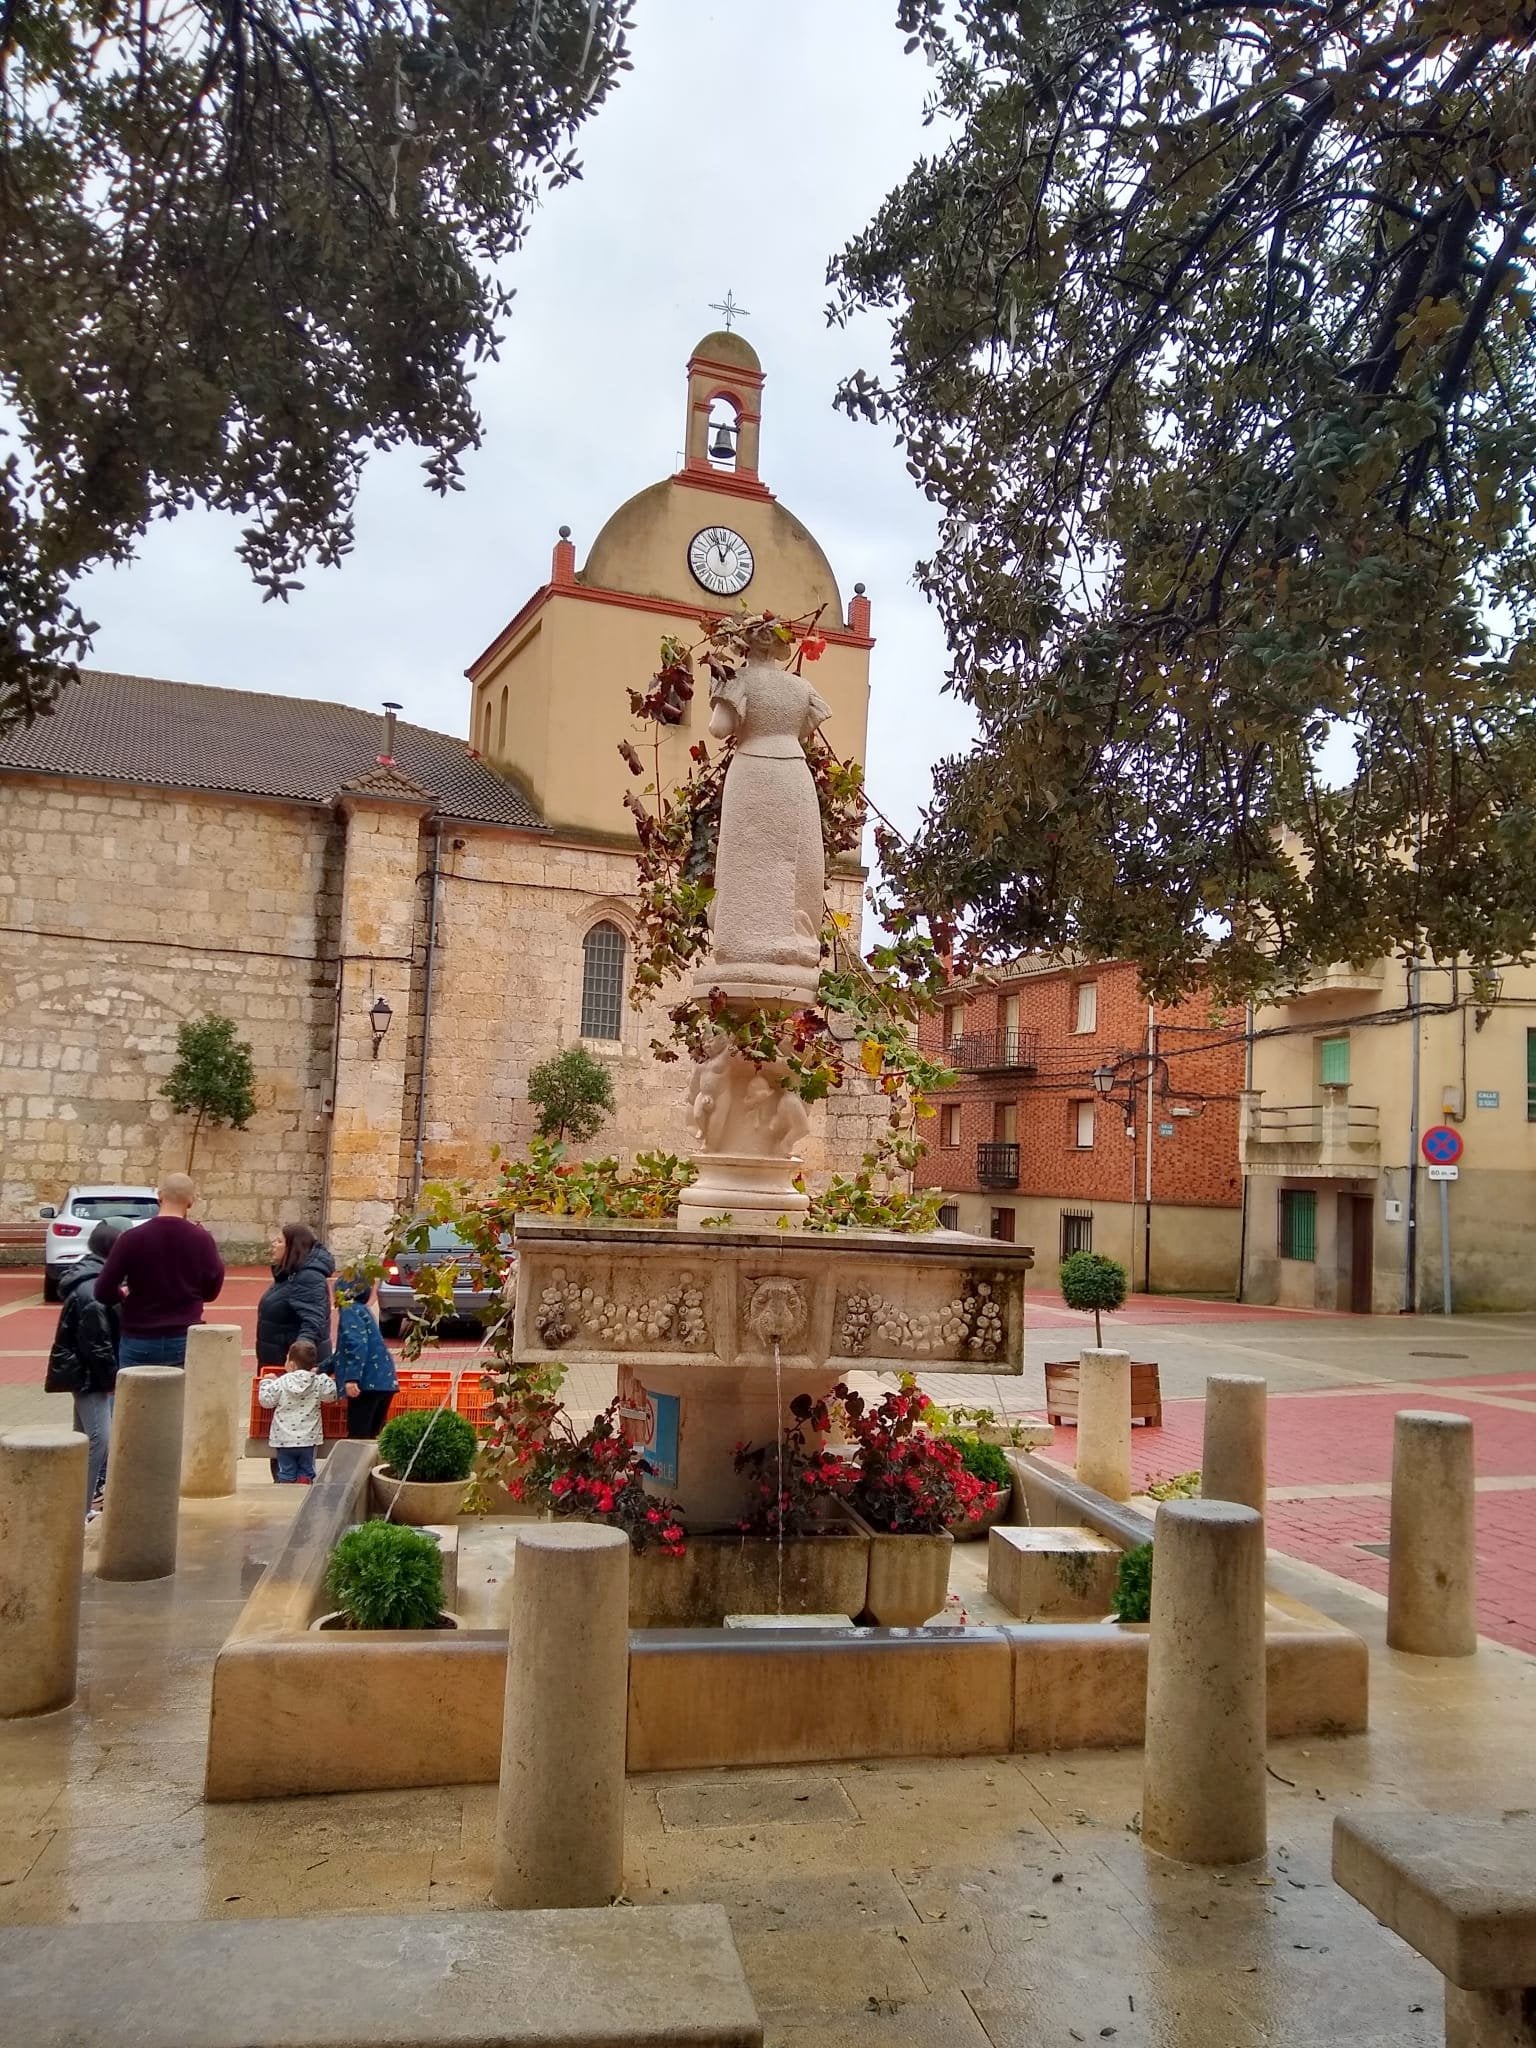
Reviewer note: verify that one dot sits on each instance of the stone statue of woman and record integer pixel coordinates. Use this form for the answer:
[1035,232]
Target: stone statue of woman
[770,863]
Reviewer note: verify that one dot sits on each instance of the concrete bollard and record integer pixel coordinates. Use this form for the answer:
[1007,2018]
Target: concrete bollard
[211,1431]
[1104,1422]
[138,1524]
[560,1808]
[1432,1556]
[1203,1798]
[42,1545]
[1232,1461]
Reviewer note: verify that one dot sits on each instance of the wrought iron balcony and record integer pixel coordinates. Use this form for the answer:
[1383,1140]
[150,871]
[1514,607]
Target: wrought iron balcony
[997,1166]
[994,1052]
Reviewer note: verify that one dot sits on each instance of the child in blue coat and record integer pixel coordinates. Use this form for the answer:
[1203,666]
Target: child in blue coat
[363,1365]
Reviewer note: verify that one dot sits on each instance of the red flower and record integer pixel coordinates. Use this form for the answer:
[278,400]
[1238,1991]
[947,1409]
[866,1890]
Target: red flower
[813,646]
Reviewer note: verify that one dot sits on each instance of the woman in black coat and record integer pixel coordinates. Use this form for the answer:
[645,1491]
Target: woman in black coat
[83,1361]
[298,1303]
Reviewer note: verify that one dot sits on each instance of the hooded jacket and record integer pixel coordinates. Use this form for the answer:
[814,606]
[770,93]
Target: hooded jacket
[295,1398]
[297,1304]
[84,1355]
[363,1359]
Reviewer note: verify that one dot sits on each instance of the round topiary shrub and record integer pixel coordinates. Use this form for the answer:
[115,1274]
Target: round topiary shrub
[1091,1283]
[383,1576]
[985,1461]
[431,1445]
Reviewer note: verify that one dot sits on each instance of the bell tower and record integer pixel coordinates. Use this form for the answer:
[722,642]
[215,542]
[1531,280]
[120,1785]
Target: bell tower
[723,430]
[551,692]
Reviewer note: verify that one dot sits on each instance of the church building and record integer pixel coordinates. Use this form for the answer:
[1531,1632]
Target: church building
[402,923]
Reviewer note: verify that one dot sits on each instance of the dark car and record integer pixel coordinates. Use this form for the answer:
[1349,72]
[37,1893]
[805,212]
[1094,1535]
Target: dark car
[471,1302]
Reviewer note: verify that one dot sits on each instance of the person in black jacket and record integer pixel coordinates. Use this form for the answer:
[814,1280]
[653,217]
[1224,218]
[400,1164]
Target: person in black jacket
[298,1303]
[83,1361]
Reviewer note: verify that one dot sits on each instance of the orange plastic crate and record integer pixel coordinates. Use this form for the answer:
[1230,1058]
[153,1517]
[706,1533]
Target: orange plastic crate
[333,1414]
[474,1399]
[422,1390]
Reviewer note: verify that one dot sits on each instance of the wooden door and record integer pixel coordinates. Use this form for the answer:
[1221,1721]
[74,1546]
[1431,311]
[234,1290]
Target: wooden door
[1362,1219]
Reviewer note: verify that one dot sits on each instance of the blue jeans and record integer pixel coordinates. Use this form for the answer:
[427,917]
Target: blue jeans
[167,1349]
[296,1465]
[93,1419]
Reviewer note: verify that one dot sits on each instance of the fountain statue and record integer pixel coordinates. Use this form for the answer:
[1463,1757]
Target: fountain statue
[770,883]
[718,1320]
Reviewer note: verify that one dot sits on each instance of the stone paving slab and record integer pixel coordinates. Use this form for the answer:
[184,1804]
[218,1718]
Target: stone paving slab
[660,1978]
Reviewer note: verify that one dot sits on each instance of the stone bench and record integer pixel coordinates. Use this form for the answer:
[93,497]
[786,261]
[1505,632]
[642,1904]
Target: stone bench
[1051,1573]
[1462,1891]
[658,1977]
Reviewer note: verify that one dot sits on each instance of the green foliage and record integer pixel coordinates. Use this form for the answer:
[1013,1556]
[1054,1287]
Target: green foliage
[984,1461]
[213,1078]
[1215,347]
[384,1576]
[1133,1585]
[447,1445]
[572,1093]
[1181,1486]
[305,208]
[1090,1282]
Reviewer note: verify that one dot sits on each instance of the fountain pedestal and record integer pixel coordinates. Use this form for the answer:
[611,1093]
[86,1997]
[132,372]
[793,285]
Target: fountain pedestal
[691,1317]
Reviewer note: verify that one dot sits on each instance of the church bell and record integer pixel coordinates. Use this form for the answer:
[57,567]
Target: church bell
[723,447]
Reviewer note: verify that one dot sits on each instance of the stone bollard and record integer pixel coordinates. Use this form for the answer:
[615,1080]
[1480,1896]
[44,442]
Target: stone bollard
[42,1544]
[138,1524]
[211,1432]
[1432,1557]
[560,1808]
[1203,1797]
[1104,1422]
[1232,1461]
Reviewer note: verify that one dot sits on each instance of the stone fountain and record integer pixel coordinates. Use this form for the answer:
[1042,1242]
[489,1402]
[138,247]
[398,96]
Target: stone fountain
[718,1321]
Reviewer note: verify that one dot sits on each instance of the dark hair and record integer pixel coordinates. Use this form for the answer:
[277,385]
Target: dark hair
[298,1242]
[302,1353]
[102,1238]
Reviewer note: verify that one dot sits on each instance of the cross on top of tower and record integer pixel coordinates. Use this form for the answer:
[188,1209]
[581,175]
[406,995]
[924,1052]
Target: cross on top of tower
[729,309]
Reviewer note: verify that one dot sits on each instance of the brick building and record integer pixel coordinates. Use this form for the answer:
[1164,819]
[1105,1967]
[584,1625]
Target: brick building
[1087,1119]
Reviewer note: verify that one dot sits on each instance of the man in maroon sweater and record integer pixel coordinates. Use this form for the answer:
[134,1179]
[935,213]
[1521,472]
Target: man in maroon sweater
[157,1277]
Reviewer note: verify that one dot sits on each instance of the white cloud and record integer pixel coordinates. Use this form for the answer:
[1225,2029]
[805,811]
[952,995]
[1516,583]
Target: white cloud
[753,138]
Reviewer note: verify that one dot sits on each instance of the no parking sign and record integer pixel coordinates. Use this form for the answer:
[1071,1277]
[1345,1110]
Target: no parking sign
[1441,1145]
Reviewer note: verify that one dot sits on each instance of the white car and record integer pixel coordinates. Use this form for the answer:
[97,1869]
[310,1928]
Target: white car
[69,1229]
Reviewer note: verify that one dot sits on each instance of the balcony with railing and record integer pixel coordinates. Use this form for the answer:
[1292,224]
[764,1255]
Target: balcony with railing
[994,1052]
[997,1166]
[1331,1139]
[1340,978]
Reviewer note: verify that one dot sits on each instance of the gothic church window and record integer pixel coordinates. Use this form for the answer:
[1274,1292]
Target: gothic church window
[602,982]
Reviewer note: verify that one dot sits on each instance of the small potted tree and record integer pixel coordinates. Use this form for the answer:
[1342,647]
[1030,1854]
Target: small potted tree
[425,1459]
[384,1576]
[1097,1286]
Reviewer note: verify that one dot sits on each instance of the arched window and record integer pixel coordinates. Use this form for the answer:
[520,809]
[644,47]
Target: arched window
[602,982]
[485,724]
[501,723]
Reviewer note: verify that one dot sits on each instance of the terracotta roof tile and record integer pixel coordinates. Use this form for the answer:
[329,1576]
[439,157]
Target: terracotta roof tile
[187,736]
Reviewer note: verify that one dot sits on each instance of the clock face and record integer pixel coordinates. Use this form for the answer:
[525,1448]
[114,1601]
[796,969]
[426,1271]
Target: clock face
[720,560]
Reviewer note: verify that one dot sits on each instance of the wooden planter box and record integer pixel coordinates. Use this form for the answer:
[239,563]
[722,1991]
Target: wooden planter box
[1061,1392]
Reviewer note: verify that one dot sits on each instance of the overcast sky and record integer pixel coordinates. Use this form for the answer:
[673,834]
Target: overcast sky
[751,140]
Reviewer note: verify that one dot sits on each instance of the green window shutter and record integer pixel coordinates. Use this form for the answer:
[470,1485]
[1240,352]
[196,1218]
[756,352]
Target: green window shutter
[1335,1072]
[1530,1076]
[1298,1223]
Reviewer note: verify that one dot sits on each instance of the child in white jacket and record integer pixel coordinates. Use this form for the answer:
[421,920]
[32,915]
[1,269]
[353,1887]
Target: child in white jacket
[297,1426]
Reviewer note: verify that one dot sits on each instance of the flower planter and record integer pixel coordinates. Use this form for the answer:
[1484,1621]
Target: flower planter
[338,1620]
[969,1532]
[722,1572]
[415,1503]
[908,1580]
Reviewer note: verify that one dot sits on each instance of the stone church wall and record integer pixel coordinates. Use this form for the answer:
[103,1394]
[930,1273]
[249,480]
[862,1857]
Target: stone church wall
[123,913]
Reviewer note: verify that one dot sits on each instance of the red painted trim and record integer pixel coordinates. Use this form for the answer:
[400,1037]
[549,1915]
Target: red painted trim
[755,378]
[676,608]
[733,485]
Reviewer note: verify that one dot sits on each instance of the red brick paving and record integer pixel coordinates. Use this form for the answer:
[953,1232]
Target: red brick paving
[1343,1438]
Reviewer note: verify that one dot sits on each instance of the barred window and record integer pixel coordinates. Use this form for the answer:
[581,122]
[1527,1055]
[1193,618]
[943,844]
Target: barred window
[602,982]
[1298,1223]
[1076,1231]
[949,1216]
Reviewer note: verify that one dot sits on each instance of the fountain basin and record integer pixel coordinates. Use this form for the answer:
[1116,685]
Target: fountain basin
[694,1318]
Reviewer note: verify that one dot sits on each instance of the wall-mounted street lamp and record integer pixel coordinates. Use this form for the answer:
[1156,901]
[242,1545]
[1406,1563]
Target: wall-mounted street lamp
[379,1018]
